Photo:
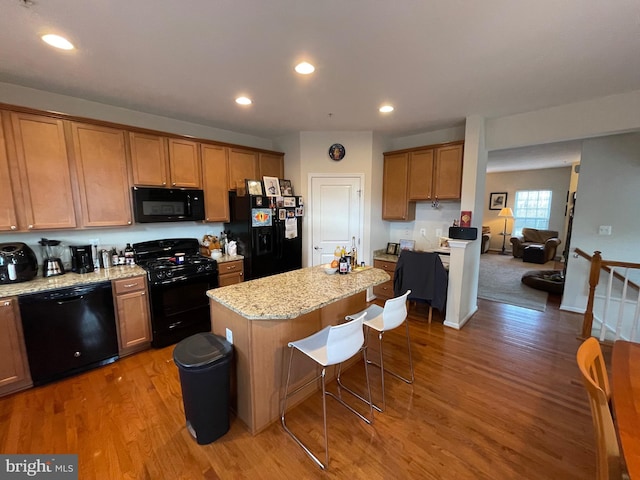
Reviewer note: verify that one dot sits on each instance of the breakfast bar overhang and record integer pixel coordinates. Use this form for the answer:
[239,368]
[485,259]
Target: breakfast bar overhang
[261,316]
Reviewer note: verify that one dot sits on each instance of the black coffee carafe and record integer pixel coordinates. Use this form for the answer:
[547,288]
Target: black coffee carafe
[81,258]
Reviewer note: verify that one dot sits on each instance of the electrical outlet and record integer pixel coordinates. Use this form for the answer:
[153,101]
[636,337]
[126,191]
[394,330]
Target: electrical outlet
[604,230]
[438,232]
[229,336]
[94,241]
[423,232]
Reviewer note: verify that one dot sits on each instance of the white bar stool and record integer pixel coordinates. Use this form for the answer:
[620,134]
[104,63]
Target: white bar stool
[330,346]
[381,320]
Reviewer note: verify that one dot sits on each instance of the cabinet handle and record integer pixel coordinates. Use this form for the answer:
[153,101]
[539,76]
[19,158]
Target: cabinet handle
[143,293]
[231,267]
[13,227]
[164,183]
[129,285]
[241,274]
[30,227]
[6,303]
[174,184]
[129,222]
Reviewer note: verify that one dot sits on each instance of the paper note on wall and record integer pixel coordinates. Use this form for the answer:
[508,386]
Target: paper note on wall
[291,228]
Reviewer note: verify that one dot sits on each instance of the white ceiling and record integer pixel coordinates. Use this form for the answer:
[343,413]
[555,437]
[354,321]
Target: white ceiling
[436,61]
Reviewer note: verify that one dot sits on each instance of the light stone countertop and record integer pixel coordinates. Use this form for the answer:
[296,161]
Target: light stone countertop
[69,279]
[290,294]
[228,258]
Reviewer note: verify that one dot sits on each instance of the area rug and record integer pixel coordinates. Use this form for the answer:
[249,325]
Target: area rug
[499,281]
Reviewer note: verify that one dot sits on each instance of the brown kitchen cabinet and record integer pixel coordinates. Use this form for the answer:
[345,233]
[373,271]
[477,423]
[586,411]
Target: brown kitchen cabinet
[158,161]
[184,163]
[8,217]
[40,172]
[132,314]
[447,177]
[421,174]
[14,365]
[101,166]
[395,195]
[270,165]
[230,273]
[243,164]
[384,291]
[215,169]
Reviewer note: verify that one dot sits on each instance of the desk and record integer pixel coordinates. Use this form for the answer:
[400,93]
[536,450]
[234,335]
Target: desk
[625,393]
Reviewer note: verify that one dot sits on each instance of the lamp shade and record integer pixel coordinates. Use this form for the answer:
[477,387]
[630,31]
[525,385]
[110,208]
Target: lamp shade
[506,213]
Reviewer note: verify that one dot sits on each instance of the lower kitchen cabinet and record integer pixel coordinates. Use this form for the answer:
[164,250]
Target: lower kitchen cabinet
[230,272]
[384,291]
[14,366]
[132,314]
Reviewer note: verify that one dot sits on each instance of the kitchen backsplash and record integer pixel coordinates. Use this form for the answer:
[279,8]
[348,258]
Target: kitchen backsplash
[114,237]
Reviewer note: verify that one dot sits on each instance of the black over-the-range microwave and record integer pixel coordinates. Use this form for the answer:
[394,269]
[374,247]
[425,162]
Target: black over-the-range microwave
[167,204]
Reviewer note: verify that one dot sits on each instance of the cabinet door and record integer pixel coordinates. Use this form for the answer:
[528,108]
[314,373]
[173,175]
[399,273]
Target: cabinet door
[8,218]
[214,176]
[242,164]
[148,159]
[184,163]
[230,273]
[447,183]
[45,174]
[270,165]
[14,369]
[421,175]
[133,321]
[395,202]
[102,175]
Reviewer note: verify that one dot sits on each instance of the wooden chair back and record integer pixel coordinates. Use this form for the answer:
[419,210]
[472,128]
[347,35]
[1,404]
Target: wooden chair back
[594,376]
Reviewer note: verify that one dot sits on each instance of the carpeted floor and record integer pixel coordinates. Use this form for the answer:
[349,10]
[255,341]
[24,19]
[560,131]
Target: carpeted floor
[499,281]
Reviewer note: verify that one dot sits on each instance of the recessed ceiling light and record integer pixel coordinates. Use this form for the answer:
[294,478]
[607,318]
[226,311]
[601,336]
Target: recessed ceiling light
[58,42]
[386,109]
[305,68]
[243,101]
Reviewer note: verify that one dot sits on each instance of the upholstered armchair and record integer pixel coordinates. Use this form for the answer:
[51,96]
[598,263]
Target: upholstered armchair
[486,239]
[534,237]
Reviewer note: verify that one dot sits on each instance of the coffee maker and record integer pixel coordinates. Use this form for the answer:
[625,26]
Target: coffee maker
[81,258]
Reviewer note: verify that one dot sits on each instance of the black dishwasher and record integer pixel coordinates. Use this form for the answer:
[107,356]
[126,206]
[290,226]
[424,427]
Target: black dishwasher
[68,330]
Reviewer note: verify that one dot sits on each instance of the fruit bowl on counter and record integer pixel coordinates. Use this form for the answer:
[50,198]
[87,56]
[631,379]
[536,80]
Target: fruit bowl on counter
[328,269]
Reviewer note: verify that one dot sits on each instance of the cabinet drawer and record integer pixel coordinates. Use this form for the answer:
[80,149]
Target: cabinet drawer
[132,284]
[387,266]
[384,290]
[229,267]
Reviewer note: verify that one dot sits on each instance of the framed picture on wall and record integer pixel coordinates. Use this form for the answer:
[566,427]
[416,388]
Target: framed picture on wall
[497,200]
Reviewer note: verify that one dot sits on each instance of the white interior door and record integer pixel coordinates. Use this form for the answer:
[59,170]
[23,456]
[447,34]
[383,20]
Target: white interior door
[336,215]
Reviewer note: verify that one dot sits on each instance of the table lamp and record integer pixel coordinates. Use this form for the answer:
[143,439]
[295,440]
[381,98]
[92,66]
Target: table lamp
[505,213]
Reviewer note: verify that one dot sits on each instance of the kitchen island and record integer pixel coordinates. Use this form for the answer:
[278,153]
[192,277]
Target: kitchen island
[261,316]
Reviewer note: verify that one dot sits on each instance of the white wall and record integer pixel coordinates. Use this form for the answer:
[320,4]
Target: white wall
[555,179]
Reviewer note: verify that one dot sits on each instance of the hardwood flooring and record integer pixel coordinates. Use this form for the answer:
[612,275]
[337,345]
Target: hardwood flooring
[500,399]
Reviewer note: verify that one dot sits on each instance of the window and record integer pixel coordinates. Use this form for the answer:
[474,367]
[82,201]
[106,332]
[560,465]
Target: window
[532,210]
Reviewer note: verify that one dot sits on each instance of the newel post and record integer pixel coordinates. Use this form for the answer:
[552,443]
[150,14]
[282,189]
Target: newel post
[594,278]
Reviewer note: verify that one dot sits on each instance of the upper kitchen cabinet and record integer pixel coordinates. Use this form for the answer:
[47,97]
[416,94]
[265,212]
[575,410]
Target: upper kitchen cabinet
[395,198]
[243,164]
[38,150]
[270,165]
[421,174]
[184,163]
[101,165]
[447,182]
[157,161]
[148,160]
[8,218]
[215,170]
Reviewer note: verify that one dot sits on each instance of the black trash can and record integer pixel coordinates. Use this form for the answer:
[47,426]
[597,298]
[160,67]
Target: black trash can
[203,362]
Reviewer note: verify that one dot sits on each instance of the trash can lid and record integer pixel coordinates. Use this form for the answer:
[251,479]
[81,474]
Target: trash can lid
[201,349]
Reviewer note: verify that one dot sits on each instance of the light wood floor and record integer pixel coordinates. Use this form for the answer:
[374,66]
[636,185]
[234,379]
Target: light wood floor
[500,399]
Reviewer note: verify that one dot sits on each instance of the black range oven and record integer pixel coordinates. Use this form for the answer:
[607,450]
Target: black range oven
[179,278]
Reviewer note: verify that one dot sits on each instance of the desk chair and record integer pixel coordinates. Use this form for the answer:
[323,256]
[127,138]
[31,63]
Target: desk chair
[381,320]
[594,376]
[330,346]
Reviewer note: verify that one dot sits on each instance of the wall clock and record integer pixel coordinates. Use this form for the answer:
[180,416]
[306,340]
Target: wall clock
[336,152]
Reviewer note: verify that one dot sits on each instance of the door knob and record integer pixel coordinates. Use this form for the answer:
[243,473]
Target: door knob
[317,248]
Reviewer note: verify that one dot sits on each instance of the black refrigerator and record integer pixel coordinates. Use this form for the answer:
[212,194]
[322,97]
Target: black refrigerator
[268,232]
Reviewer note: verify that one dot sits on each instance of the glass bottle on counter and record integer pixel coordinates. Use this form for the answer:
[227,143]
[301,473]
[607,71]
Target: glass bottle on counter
[354,252]
[128,255]
[114,257]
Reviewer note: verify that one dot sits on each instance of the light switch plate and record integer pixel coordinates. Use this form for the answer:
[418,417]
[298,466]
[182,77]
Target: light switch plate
[604,230]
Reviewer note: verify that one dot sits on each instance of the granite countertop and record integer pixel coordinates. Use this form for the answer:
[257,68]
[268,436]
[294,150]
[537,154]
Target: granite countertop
[70,279]
[228,258]
[288,295]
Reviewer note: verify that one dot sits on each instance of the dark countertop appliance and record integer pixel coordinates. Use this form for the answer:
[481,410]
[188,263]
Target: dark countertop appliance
[68,330]
[18,263]
[262,236]
[51,261]
[81,258]
[179,278]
